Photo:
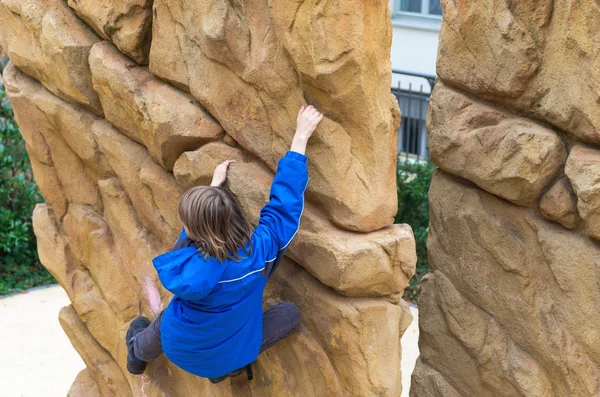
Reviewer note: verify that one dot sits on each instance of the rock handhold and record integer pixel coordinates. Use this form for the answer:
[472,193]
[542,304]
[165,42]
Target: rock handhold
[583,170]
[57,128]
[103,370]
[127,158]
[559,204]
[426,380]
[345,326]
[84,386]
[46,179]
[127,24]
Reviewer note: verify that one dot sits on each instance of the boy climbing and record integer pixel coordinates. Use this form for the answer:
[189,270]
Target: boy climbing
[214,326]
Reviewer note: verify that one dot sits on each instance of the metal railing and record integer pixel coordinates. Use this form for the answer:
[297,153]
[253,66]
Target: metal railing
[412,91]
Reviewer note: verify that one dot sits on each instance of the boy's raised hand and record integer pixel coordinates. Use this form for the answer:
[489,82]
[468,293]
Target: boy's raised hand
[308,120]
[220,174]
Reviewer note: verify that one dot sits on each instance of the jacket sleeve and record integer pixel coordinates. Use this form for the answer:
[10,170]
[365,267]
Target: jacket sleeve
[280,218]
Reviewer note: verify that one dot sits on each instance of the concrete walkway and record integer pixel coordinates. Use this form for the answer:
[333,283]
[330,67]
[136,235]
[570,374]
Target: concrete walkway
[38,360]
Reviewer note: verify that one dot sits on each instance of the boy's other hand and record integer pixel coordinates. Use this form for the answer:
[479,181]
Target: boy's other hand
[220,174]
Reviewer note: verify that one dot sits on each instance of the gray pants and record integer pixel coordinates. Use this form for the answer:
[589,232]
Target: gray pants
[278,322]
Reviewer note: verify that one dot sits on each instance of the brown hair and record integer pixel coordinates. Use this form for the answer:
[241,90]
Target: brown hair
[214,219]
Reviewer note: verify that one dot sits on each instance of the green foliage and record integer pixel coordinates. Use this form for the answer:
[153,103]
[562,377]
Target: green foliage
[19,264]
[413,180]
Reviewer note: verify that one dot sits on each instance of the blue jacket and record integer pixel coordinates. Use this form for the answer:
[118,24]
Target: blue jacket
[213,324]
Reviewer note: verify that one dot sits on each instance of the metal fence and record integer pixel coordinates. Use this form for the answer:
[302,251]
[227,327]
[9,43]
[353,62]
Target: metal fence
[412,91]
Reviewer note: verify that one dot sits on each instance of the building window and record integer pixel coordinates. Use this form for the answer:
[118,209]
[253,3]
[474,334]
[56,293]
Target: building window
[423,7]
[417,14]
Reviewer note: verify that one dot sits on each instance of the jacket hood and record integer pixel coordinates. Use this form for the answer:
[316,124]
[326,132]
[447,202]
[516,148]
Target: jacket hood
[187,274]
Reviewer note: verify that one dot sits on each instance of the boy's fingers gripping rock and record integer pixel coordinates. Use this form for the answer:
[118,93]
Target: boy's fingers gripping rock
[220,174]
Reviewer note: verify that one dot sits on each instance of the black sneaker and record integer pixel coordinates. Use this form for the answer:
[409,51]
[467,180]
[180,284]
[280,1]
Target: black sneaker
[229,375]
[135,366]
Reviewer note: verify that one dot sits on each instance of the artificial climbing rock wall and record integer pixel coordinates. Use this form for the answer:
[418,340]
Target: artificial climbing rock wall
[512,305]
[125,104]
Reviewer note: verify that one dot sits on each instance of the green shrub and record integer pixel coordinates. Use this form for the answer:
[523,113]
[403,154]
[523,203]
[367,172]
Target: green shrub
[20,267]
[413,180]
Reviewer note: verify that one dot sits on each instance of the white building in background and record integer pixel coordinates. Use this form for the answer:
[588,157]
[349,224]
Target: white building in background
[416,27]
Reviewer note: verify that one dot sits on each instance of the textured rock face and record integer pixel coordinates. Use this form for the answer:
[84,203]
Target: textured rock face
[368,328]
[84,385]
[114,144]
[503,154]
[560,204]
[499,311]
[510,308]
[523,54]
[126,23]
[48,42]
[162,118]
[261,68]
[583,169]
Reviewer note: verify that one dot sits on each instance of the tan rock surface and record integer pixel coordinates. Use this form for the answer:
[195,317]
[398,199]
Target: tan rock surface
[102,368]
[111,185]
[506,155]
[52,247]
[37,110]
[426,381]
[583,170]
[165,120]
[48,183]
[127,159]
[28,117]
[491,48]
[60,132]
[47,41]
[127,24]
[538,58]
[364,329]
[165,191]
[92,246]
[497,317]
[253,67]
[84,386]
[511,306]
[560,204]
